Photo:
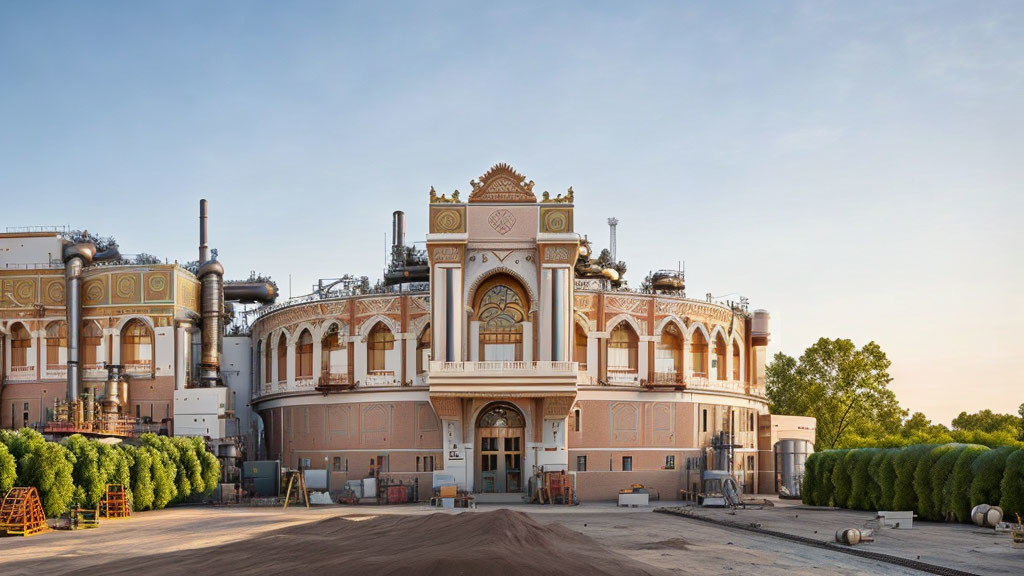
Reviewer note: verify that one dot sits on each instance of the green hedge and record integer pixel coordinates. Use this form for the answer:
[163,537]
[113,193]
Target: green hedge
[158,472]
[938,482]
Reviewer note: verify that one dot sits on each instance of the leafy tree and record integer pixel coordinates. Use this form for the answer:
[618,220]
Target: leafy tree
[115,466]
[826,487]
[141,476]
[942,481]
[808,487]
[8,470]
[90,481]
[859,463]
[907,459]
[874,473]
[959,499]
[211,472]
[923,480]
[987,421]
[48,467]
[20,444]
[1012,485]
[886,480]
[988,475]
[842,480]
[164,471]
[846,389]
[191,465]
[1020,423]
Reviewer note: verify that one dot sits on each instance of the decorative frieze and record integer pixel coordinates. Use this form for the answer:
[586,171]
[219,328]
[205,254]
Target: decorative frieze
[556,220]
[448,219]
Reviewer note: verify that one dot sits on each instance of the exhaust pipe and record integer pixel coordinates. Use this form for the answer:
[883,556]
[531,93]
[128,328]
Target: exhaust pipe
[76,257]
[211,286]
[204,254]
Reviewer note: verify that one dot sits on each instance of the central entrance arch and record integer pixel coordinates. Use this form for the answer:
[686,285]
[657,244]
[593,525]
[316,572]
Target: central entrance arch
[500,437]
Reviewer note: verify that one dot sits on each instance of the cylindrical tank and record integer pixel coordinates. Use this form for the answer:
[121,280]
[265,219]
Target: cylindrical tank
[398,228]
[762,323]
[211,278]
[790,457]
[848,536]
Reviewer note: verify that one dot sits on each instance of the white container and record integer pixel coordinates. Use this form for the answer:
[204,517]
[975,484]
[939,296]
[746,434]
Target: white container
[902,519]
[369,487]
[635,499]
[448,503]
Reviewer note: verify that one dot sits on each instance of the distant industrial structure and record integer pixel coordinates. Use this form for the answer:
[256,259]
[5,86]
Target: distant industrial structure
[501,349]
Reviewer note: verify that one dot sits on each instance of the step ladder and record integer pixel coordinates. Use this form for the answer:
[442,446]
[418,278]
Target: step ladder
[21,513]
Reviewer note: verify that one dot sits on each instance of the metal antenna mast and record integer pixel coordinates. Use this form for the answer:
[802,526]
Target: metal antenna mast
[612,224]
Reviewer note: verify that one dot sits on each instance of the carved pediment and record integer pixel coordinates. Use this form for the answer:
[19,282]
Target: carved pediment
[502,184]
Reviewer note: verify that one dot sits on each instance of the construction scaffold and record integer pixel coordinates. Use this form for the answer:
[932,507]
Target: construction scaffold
[21,513]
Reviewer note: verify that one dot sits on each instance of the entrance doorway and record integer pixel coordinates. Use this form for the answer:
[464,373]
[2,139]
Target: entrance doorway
[499,436]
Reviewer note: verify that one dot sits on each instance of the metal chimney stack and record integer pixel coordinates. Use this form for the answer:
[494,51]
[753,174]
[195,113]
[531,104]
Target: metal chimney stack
[398,228]
[203,215]
[612,224]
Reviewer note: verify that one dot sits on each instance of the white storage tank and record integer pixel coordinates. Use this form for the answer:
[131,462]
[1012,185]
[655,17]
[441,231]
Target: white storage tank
[790,458]
[762,324]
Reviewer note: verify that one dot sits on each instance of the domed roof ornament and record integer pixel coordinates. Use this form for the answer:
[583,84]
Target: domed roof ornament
[502,184]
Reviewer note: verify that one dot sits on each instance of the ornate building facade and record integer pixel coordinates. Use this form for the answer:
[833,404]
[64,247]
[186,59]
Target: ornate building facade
[515,353]
[140,317]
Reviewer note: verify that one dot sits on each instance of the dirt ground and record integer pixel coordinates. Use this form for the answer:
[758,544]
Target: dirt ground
[590,539]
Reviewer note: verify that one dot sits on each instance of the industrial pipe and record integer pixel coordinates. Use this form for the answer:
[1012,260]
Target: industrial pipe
[203,214]
[76,257]
[211,280]
[250,292]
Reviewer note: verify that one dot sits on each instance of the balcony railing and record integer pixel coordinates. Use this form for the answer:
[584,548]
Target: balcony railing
[138,368]
[56,371]
[499,368]
[22,373]
[94,370]
[304,384]
[378,378]
[697,383]
[334,383]
[620,377]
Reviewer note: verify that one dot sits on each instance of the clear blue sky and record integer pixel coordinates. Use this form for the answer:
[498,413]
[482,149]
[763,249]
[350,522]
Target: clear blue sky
[857,168]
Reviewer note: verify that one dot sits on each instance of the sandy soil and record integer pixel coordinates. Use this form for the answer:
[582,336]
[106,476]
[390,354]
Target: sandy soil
[492,540]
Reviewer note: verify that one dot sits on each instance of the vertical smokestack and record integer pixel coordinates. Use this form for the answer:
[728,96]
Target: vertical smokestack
[612,224]
[211,296]
[398,228]
[203,214]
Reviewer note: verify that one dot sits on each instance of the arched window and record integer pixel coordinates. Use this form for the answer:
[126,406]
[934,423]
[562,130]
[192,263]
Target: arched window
[378,343]
[260,373]
[580,349]
[668,355]
[333,353]
[699,354]
[282,358]
[304,356]
[720,352]
[622,349]
[736,361]
[423,351]
[56,344]
[136,344]
[21,342]
[268,362]
[501,309]
[92,337]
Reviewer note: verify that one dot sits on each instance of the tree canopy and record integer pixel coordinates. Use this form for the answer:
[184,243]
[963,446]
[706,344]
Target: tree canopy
[845,388]
[847,391]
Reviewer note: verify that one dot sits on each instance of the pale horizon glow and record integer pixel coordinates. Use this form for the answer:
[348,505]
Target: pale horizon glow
[854,168]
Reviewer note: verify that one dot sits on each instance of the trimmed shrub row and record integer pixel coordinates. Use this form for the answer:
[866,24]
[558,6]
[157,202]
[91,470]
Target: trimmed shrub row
[158,472]
[939,482]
